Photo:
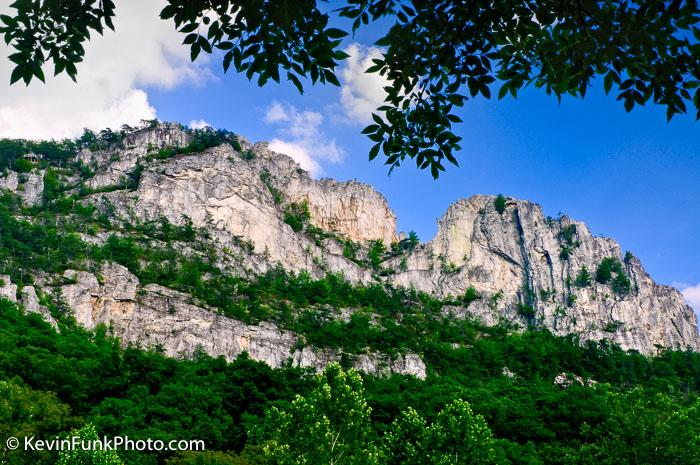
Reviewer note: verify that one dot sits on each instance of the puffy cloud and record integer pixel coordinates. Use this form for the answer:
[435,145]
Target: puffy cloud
[276,113]
[692,296]
[300,136]
[199,124]
[118,67]
[361,93]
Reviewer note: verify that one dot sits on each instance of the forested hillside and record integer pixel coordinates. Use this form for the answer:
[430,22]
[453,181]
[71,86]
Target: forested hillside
[327,345]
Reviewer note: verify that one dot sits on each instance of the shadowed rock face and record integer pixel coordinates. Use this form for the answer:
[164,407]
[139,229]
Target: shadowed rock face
[522,264]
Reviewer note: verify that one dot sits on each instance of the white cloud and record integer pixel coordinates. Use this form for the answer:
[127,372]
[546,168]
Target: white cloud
[144,51]
[276,113]
[301,138]
[361,93]
[199,124]
[692,296]
[298,152]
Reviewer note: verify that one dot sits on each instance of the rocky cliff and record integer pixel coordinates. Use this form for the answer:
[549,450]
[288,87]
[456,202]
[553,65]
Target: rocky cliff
[493,259]
[528,267]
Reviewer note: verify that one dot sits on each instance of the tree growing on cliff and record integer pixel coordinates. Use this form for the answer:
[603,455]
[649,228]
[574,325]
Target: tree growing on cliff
[436,55]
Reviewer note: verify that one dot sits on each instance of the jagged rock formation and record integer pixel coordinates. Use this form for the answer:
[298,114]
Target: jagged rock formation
[157,317]
[29,186]
[114,165]
[523,257]
[28,299]
[515,264]
[351,209]
[7,289]
[513,260]
[30,302]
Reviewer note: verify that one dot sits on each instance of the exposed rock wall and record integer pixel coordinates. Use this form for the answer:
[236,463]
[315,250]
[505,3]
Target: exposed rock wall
[224,193]
[28,299]
[7,289]
[352,209]
[113,166]
[29,186]
[519,255]
[514,259]
[158,317]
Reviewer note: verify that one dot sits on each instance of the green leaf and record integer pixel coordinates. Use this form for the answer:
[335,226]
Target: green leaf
[336,33]
[227,60]
[9,20]
[330,77]
[16,74]
[383,42]
[608,81]
[191,27]
[370,129]
[629,104]
[374,151]
[224,45]
[168,12]
[39,73]
[204,43]
[340,55]
[295,80]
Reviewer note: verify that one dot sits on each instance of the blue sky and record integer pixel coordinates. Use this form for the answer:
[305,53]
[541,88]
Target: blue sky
[632,177]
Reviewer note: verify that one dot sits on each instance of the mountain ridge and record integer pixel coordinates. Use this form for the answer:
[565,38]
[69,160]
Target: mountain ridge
[495,259]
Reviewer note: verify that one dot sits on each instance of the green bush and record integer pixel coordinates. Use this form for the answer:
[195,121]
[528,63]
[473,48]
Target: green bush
[22,165]
[621,284]
[266,178]
[297,215]
[526,311]
[377,249]
[470,296]
[500,204]
[568,234]
[611,271]
[583,278]
[607,267]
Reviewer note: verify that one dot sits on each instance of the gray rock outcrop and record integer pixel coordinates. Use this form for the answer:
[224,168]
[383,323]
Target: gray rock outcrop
[30,302]
[157,317]
[524,268]
[522,265]
[29,186]
[7,289]
[28,299]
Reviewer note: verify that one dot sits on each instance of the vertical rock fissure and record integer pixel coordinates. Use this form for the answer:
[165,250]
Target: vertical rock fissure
[529,294]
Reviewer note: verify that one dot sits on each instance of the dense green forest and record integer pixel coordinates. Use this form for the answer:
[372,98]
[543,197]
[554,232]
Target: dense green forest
[490,395]
[641,411]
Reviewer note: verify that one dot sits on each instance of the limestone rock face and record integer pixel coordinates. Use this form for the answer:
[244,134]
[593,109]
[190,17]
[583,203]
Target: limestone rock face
[9,181]
[31,304]
[33,188]
[352,209]
[524,266]
[116,164]
[221,191]
[29,186]
[157,317]
[7,289]
[28,299]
